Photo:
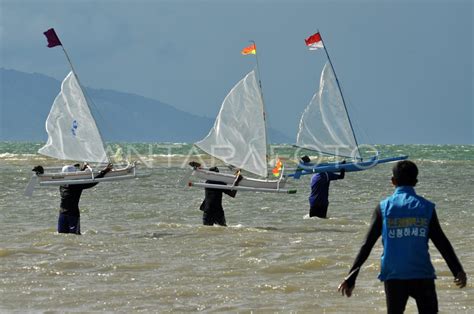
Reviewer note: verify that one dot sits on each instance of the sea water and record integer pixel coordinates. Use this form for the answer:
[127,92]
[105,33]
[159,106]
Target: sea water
[144,248]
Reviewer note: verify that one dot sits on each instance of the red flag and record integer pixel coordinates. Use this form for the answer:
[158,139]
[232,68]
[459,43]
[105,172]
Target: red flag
[314,42]
[53,39]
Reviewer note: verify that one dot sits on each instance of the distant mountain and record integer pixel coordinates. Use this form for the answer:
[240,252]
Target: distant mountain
[26,98]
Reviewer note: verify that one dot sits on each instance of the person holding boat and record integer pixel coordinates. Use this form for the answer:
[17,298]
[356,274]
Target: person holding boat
[69,214]
[406,222]
[319,197]
[213,212]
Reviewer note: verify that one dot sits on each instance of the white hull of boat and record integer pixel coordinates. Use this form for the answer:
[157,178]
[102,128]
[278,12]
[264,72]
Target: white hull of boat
[87,176]
[246,184]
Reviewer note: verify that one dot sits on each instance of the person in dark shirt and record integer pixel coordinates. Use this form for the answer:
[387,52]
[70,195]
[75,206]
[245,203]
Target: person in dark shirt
[69,214]
[213,212]
[406,222]
[319,197]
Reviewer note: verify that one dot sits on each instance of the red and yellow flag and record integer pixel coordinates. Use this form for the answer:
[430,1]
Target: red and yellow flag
[250,50]
[278,167]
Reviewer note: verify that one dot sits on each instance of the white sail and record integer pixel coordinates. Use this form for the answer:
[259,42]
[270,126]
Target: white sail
[239,134]
[325,126]
[72,132]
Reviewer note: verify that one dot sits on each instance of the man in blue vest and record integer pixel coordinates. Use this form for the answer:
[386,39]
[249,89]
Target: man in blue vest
[406,222]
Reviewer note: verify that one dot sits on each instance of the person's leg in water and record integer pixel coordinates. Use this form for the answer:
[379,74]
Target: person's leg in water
[208,219]
[396,295]
[424,293]
[319,210]
[214,217]
[69,224]
[220,218]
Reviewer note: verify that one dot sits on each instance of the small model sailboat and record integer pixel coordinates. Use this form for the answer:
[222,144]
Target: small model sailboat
[325,126]
[239,139]
[73,135]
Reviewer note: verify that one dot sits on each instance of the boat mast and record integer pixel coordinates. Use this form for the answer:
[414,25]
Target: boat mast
[342,96]
[82,89]
[263,102]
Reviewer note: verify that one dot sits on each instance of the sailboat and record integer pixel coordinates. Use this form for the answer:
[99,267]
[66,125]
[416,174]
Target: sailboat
[325,126]
[239,139]
[73,135]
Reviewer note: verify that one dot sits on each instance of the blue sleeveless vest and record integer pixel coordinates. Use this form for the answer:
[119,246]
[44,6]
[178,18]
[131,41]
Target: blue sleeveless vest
[406,218]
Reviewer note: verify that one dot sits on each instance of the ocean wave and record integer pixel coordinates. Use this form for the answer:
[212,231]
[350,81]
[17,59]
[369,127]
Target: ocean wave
[177,155]
[13,155]
[21,150]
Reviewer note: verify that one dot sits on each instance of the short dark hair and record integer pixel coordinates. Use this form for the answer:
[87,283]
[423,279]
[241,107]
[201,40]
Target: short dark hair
[38,170]
[306,159]
[215,169]
[405,172]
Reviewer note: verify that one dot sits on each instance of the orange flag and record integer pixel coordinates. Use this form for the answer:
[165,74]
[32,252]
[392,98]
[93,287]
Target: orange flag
[250,50]
[277,169]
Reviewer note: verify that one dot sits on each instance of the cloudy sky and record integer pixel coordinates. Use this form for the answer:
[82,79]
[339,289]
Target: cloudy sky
[406,67]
